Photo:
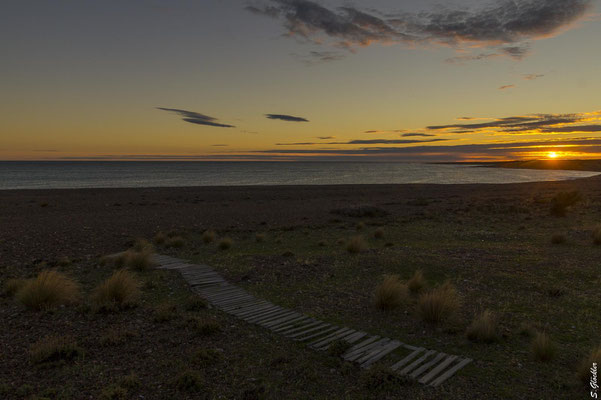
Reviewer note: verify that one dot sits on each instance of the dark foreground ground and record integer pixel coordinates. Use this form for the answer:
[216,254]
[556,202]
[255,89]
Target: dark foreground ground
[492,241]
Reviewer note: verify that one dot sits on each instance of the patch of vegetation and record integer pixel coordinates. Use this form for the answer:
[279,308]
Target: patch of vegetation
[12,286]
[204,326]
[165,312]
[115,336]
[176,242]
[260,237]
[208,236]
[48,290]
[194,303]
[361,211]
[379,233]
[139,260]
[438,304]
[391,293]
[54,349]
[543,348]
[360,226]
[206,357]
[558,238]
[120,291]
[563,201]
[225,243]
[189,381]
[484,328]
[159,239]
[417,282]
[597,236]
[381,379]
[356,245]
[338,347]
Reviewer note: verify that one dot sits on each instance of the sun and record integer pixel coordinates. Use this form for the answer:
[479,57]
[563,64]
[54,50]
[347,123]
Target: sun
[552,154]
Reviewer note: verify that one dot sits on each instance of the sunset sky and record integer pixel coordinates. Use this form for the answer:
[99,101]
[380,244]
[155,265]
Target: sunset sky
[402,80]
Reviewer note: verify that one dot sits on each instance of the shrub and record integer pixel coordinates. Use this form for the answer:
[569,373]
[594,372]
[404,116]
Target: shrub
[176,242]
[194,303]
[379,233]
[142,245]
[391,293]
[417,282]
[165,312]
[139,260]
[159,238]
[438,304]
[561,203]
[484,328]
[584,371]
[526,330]
[260,237]
[356,245]
[189,381]
[54,349]
[48,290]
[225,243]
[120,291]
[12,286]
[542,347]
[208,236]
[597,236]
[558,238]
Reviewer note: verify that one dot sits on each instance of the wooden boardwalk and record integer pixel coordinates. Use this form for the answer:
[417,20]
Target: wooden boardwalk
[426,366]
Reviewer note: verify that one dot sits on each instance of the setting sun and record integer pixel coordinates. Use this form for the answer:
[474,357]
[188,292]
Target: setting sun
[552,154]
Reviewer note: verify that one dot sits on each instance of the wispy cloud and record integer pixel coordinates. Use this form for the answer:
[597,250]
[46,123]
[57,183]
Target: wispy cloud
[196,118]
[318,57]
[288,118]
[531,77]
[506,26]
[505,87]
[416,135]
[366,141]
[326,137]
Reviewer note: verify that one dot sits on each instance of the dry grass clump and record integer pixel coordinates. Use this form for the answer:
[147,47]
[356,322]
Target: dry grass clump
[189,381]
[356,245]
[561,203]
[142,245]
[584,371]
[120,291]
[225,243]
[165,312]
[12,286]
[159,238]
[48,290]
[322,243]
[438,304]
[379,233]
[64,261]
[391,293]
[138,260]
[417,282]
[54,349]
[542,347]
[558,238]
[484,328]
[204,326]
[208,236]
[360,226]
[260,237]
[194,303]
[597,236]
[177,242]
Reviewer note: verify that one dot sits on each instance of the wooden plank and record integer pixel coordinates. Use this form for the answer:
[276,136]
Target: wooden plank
[248,313]
[290,325]
[366,355]
[417,362]
[283,312]
[317,334]
[407,359]
[287,313]
[378,356]
[238,302]
[363,343]
[436,370]
[297,334]
[341,331]
[274,309]
[424,367]
[450,372]
[311,322]
[354,337]
[291,322]
[366,349]
[233,298]
[281,319]
[326,343]
[232,309]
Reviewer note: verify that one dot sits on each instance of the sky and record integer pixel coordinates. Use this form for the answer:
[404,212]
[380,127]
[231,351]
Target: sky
[379,80]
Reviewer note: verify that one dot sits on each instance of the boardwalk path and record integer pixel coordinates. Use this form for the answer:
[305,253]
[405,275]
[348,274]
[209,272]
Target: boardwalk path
[426,366]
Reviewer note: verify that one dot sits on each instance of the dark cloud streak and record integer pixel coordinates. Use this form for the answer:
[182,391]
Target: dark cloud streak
[196,118]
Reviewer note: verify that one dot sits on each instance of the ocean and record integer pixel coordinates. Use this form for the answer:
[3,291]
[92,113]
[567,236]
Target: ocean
[73,174]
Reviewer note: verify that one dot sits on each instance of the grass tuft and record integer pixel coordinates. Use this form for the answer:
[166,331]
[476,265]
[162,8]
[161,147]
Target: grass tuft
[53,349]
[139,260]
[379,233]
[484,328]
[177,242]
[260,237]
[206,357]
[120,291]
[338,347]
[356,245]
[558,238]
[165,312]
[417,282]
[159,239]
[563,201]
[204,326]
[48,290]
[438,304]
[584,371]
[194,303]
[12,286]
[391,293]
[225,243]
[597,236]
[208,236]
[189,381]
[142,245]
[542,347]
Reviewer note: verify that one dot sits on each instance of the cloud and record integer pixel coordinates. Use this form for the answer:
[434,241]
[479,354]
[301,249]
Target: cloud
[288,118]
[196,118]
[368,141]
[505,87]
[506,25]
[219,145]
[392,131]
[416,134]
[573,128]
[317,57]
[326,137]
[546,123]
[531,77]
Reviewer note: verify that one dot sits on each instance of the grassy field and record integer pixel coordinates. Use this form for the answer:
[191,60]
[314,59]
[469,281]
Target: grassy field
[499,255]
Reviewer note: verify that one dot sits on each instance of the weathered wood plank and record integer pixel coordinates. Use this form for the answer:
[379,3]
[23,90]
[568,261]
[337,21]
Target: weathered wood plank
[366,363]
[417,362]
[290,323]
[363,343]
[321,341]
[280,313]
[280,319]
[326,343]
[366,349]
[318,327]
[424,367]
[450,372]
[308,324]
[317,334]
[271,318]
[407,359]
[436,370]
